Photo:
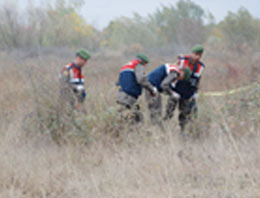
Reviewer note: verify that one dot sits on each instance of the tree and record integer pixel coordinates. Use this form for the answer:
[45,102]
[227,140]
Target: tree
[181,26]
[10,26]
[240,30]
[55,24]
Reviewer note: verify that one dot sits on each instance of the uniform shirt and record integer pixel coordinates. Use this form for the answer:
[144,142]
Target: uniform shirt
[187,89]
[72,76]
[132,79]
[163,76]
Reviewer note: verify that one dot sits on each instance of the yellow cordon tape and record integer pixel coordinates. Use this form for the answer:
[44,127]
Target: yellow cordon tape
[229,92]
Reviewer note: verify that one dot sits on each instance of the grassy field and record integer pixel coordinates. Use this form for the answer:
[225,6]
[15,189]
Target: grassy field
[219,158]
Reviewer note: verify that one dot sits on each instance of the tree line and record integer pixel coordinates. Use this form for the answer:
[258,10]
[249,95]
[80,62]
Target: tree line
[173,27]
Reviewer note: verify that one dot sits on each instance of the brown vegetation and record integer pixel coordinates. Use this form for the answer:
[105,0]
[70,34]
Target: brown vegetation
[220,158]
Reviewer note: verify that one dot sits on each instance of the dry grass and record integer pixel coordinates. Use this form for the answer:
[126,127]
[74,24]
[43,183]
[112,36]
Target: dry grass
[220,159]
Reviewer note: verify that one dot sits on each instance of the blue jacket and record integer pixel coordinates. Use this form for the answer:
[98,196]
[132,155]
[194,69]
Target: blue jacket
[157,76]
[127,79]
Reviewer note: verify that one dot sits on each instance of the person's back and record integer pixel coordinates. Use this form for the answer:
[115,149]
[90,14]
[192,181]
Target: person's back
[157,76]
[128,81]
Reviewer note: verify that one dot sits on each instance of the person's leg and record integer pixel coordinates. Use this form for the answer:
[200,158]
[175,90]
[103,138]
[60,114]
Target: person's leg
[122,111]
[194,108]
[170,108]
[158,112]
[129,109]
[159,106]
[137,115]
[186,108]
[154,106]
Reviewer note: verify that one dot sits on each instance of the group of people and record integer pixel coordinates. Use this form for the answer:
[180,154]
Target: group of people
[178,81]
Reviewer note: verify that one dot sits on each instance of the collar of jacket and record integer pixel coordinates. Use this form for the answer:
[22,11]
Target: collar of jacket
[74,65]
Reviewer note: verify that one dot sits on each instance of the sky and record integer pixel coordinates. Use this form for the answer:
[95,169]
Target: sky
[101,12]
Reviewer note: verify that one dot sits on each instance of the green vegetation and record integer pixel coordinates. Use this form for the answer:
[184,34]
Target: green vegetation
[170,28]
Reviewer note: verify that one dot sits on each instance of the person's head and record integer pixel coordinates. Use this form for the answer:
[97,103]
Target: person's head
[82,57]
[144,60]
[185,73]
[197,52]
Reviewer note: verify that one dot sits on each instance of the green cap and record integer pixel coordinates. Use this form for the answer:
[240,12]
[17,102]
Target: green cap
[83,54]
[198,49]
[187,73]
[143,57]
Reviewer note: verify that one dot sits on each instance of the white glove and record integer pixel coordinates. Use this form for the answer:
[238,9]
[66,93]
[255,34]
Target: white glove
[176,95]
[154,92]
[195,96]
[80,88]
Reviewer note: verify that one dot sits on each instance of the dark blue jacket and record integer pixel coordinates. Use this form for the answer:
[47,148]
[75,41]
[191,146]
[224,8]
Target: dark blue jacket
[127,79]
[157,76]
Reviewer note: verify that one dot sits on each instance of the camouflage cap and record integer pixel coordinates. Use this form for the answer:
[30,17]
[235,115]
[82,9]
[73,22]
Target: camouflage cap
[199,49]
[143,58]
[83,54]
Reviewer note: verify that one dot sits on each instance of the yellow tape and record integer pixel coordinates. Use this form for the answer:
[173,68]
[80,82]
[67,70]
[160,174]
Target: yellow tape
[229,92]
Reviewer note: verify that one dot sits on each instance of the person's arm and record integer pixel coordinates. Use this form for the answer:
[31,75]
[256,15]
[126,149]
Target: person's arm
[195,82]
[142,78]
[165,85]
[64,80]
[64,76]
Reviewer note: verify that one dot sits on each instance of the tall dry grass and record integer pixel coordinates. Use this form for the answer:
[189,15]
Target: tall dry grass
[220,158]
